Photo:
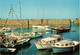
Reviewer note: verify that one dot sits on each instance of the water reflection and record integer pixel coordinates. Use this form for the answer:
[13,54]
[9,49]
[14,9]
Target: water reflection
[44,52]
[49,52]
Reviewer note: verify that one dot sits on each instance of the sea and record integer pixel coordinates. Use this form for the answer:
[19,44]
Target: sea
[32,50]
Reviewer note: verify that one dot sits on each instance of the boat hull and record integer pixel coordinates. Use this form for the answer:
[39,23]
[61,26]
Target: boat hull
[22,43]
[65,30]
[13,48]
[7,49]
[43,46]
[63,49]
[37,36]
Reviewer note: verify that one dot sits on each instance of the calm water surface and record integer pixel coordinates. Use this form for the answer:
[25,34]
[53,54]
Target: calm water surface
[32,50]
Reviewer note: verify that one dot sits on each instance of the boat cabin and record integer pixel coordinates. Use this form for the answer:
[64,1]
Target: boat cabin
[64,43]
[49,40]
[31,34]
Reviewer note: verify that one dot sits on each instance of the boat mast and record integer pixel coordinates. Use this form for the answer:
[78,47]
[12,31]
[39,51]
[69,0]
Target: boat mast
[12,16]
[37,14]
[42,17]
[43,13]
[20,17]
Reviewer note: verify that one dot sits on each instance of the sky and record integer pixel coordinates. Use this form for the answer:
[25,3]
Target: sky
[53,9]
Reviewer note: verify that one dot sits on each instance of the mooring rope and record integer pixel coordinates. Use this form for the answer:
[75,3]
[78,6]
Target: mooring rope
[29,48]
[44,51]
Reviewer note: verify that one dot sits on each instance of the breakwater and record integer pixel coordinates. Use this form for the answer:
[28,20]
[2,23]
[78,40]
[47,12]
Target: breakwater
[76,22]
[29,22]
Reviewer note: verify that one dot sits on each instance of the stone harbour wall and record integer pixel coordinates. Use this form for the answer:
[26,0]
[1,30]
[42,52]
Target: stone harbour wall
[29,22]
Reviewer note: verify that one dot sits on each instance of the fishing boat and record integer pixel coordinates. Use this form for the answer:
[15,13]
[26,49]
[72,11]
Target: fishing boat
[64,46]
[61,29]
[33,35]
[45,43]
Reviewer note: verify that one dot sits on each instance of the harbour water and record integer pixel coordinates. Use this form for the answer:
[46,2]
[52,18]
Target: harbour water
[32,50]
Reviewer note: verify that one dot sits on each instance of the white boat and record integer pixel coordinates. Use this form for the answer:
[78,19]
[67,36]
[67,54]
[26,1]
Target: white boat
[7,49]
[41,26]
[12,34]
[45,43]
[33,35]
[64,46]
[12,40]
[6,29]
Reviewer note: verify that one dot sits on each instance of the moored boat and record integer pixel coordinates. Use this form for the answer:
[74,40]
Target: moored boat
[42,26]
[64,46]
[6,29]
[45,43]
[7,49]
[61,29]
[33,35]
[11,41]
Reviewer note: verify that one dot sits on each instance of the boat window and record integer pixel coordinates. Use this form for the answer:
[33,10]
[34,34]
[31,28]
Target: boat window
[66,44]
[62,45]
[57,44]
[73,43]
[43,41]
[49,42]
[55,41]
[70,43]
[36,27]
[52,41]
